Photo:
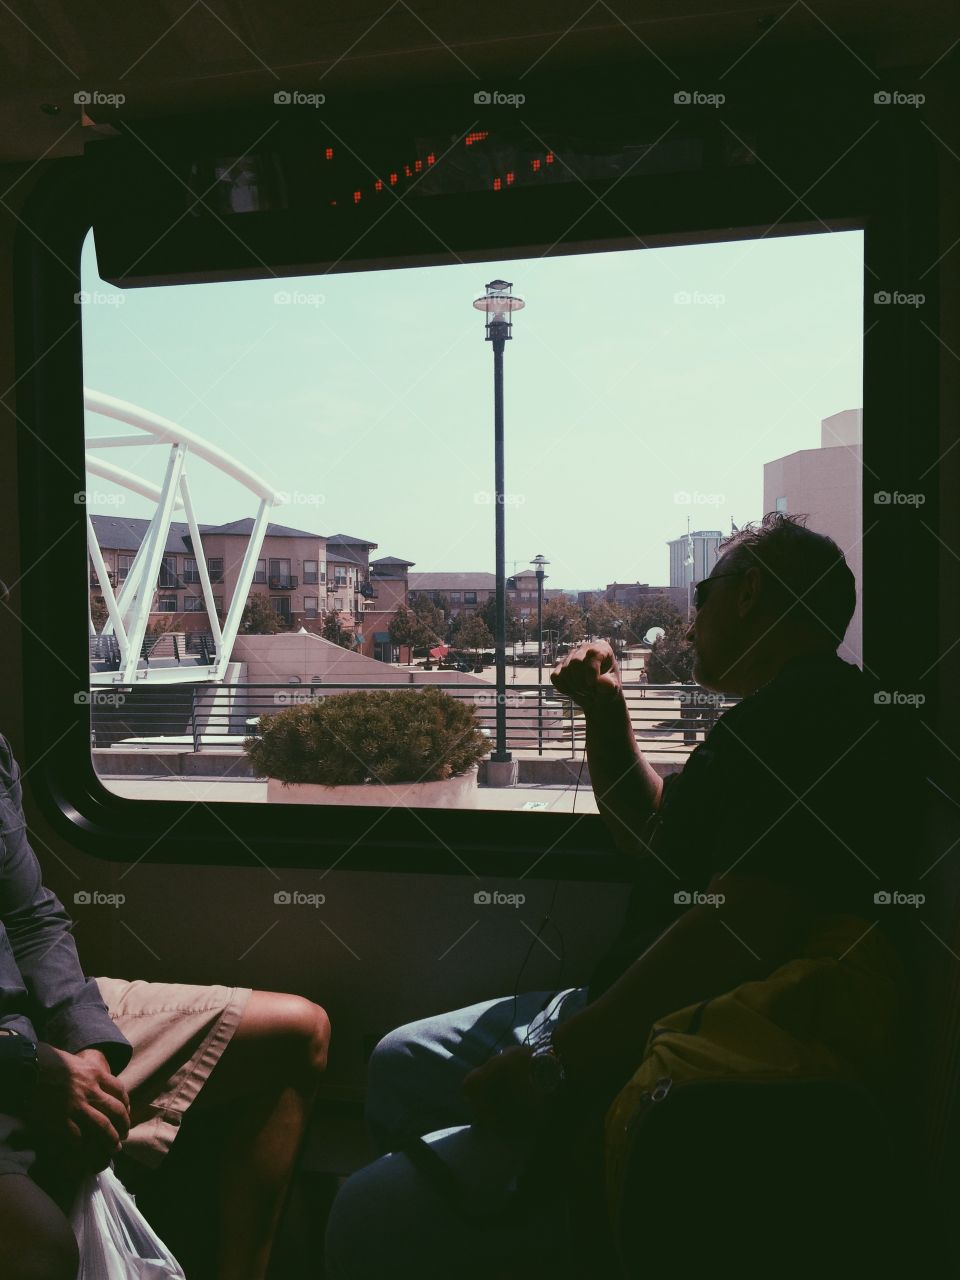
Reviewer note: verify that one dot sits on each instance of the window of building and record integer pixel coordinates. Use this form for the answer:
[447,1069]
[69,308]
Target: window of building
[310,604]
[260,573]
[782,505]
[168,572]
[310,574]
[123,566]
[166,604]
[281,605]
[469,597]
[190,571]
[193,604]
[215,568]
[454,597]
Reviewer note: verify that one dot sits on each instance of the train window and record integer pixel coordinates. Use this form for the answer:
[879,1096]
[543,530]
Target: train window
[667,397]
[280,417]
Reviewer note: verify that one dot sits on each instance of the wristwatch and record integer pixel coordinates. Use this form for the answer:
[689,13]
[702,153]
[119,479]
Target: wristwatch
[18,1068]
[547,1072]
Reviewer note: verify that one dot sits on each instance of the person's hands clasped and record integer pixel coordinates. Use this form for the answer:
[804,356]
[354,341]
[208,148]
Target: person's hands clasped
[589,675]
[80,1106]
[499,1090]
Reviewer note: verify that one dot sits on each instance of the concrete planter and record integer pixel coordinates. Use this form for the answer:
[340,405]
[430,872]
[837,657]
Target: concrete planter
[458,792]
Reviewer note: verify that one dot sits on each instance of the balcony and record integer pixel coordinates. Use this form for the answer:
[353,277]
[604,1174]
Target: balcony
[282,582]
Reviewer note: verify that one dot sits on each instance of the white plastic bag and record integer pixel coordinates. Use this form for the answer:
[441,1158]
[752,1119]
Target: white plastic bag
[115,1240]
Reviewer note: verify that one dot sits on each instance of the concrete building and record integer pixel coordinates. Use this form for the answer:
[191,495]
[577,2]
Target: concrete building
[825,484]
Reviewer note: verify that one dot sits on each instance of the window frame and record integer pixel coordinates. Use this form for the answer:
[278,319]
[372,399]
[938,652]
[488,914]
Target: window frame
[900,383]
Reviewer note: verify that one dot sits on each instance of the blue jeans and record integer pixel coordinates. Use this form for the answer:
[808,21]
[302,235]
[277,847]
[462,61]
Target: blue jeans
[388,1219]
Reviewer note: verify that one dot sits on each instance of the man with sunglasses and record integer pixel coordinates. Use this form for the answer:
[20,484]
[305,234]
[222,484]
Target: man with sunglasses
[774,814]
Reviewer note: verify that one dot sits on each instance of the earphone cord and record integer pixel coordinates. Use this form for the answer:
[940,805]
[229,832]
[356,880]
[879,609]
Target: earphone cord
[536,937]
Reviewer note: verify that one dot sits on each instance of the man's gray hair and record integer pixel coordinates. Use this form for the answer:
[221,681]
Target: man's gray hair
[807,575]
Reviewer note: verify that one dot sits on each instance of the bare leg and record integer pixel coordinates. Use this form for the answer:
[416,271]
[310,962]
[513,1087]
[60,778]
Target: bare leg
[264,1084]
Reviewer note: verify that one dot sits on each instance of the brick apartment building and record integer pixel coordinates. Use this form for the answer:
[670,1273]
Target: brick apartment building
[304,575]
[457,593]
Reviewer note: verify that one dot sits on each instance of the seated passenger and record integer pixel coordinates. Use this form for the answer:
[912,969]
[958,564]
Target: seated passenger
[778,809]
[89,1067]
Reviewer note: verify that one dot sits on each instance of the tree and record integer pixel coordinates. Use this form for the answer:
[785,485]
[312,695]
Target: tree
[335,633]
[428,623]
[259,617]
[603,617]
[652,611]
[488,612]
[565,617]
[471,632]
[671,658]
[98,612]
[401,626]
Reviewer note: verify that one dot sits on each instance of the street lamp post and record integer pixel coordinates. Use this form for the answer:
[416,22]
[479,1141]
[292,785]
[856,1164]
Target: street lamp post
[538,563]
[499,304]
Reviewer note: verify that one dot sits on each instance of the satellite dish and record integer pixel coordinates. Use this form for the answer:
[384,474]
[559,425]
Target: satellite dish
[653,635]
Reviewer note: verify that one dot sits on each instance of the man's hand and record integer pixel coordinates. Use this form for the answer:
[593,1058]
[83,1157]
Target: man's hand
[499,1091]
[589,675]
[79,1106]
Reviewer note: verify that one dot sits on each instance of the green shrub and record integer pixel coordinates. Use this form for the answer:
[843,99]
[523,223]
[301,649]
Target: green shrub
[381,736]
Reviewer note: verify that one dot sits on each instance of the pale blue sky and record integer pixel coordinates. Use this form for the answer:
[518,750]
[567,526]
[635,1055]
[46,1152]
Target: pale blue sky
[370,399]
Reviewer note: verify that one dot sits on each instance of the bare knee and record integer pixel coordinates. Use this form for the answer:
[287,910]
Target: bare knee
[305,1027]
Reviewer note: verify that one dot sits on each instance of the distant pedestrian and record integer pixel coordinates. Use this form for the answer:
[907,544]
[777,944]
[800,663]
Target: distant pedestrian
[642,678]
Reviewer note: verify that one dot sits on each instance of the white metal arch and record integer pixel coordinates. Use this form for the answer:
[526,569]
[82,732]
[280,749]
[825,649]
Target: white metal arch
[129,609]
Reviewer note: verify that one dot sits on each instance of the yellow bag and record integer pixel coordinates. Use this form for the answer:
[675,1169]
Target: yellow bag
[834,1013]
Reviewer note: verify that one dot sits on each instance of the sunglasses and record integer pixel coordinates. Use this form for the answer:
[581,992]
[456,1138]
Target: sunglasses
[700,589]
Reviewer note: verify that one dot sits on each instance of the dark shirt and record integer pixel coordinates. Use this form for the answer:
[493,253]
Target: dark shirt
[43,992]
[816,732]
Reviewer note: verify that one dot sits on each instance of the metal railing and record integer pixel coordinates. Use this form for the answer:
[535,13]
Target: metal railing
[668,719]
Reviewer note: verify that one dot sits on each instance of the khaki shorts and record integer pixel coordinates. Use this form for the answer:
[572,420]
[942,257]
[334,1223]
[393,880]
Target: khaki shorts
[178,1033]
